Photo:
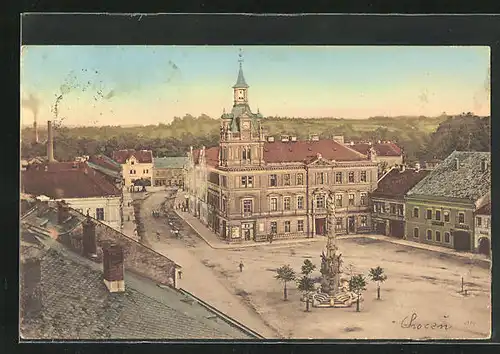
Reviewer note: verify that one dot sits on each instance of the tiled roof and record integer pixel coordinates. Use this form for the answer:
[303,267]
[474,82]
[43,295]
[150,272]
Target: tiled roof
[77,305]
[63,180]
[169,162]
[468,182]
[395,184]
[484,210]
[297,151]
[300,151]
[382,149]
[143,156]
[105,162]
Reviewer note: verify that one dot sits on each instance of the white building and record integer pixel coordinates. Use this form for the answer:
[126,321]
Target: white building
[482,230]
[80,186]
[135,165]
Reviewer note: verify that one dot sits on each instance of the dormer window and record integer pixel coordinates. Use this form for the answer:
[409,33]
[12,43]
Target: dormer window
[132,162]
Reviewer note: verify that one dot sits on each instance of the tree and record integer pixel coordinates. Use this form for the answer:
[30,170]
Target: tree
[377,275]
[357,284]
[285,274]
[306,285]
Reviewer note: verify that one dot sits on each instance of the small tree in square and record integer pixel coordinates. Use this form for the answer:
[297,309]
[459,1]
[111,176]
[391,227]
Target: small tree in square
[285,274]
[377,275]
[357,284]
[306,283]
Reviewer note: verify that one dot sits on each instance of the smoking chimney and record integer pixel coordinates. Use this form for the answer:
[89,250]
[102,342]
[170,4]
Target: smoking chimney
[50,142]
[457,164]
[113,268]
[35,128]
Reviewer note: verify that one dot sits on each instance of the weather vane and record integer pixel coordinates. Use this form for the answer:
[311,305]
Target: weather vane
[240,57]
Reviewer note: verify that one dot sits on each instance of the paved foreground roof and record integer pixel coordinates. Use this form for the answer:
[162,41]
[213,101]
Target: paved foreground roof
[468,182]
[395,184]
[76,304]
[169,162]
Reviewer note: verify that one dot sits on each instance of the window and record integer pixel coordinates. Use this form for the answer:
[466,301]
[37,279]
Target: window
[132,162]
[224,204]
[415,212]
[363,176]
[300,225]
[247,206]
[429,235]
[415,232]
[274,227]
[446,216]
[320,178]
[400,210]
[438,215]
[338,177]
[487,222]
[351,177]
[300,202]
[392,206]
[351,199]
[338,200]
[362,200]
[447,237]
[99,213]
[132,172]
[244,157]
[429,214]
[320,201]
[273,181]
[438,236]
[145,171]
[300,179]
[478,221]
[338,224]
[461,218]
[247,181]
[363,220]
[286,179]
[287,226]
[286,203]
[274,204]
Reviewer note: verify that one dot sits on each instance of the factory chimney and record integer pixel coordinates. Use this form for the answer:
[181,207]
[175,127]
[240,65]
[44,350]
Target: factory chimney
[50,142]
[35,128]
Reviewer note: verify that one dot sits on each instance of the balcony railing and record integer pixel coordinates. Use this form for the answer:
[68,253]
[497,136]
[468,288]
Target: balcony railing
[462,226]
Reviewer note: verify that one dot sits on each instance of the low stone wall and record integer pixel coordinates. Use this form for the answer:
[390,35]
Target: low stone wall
[138,258]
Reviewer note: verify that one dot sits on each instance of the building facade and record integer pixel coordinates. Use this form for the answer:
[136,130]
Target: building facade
[136,165]
[386,153]
[388,203]
[440,208]
[250,186]
[81,187]
[169,171]
[482,232]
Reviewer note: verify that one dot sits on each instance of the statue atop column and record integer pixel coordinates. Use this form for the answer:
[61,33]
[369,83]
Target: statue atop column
[331,261]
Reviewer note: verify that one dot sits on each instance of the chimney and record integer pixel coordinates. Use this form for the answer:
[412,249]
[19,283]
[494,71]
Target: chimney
[284,138]
[62,212]
[352,143]
[417,167]
[314,137]
[113,268]
[402,168]
[293,138]
[89,239]
[457,164]
[31,292]
[270,139]
[339,139]
[50,142]
[484,165]
[35,128]
[372,154]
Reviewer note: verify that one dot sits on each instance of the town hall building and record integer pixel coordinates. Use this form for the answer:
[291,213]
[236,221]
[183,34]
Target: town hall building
[252,186]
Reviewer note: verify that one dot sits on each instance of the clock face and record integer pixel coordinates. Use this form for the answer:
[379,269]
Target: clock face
[245,125]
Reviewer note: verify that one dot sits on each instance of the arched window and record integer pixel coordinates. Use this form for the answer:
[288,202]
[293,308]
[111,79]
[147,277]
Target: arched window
[244,154]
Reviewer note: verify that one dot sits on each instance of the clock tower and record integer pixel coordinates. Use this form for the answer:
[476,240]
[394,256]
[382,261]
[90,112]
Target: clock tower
[241,135]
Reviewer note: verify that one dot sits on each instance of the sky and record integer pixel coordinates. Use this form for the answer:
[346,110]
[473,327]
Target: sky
[123,85]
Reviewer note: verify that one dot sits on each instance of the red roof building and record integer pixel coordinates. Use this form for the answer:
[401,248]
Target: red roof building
[142,156]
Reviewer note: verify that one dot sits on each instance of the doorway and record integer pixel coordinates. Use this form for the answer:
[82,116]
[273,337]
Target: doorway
[320,226]
[484,246]
[350,224]
[461,240]
[397,228]
[248,231]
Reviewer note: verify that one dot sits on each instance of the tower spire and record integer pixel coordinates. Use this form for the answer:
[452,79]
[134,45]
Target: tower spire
[240,82]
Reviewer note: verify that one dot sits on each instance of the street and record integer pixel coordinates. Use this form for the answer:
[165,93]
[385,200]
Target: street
[197,278]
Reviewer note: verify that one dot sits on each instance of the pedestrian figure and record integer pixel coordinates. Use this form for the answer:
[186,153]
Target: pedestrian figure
[241,266]
[271,236]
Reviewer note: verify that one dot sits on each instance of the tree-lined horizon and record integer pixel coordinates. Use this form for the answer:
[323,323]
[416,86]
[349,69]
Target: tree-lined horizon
[421,137]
